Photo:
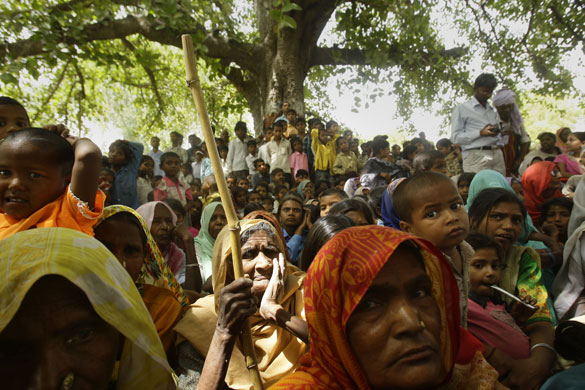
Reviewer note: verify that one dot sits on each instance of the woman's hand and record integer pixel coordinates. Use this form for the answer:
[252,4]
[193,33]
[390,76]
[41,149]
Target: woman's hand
[525,374]
[522,313]
[237,302]
[273,294]
[182,233]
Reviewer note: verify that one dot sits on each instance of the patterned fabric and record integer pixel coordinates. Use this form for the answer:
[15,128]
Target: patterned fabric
[339,277]
[155,270]
[28,256]
[277,350]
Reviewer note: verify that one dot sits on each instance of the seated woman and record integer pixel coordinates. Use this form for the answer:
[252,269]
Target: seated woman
[123,231]
[275,309]
[181,258]
[384,315]
[541,182]
[499,214]
[67,323]
[212,221]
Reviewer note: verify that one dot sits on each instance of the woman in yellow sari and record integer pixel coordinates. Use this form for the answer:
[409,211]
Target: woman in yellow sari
[72,318]
[272,297]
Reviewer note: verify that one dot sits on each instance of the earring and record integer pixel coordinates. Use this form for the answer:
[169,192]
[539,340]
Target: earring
[67,383]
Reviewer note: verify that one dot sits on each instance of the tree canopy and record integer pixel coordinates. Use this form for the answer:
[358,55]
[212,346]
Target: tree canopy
[119,59]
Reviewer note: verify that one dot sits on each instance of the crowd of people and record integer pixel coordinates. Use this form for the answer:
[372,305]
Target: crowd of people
[454,265]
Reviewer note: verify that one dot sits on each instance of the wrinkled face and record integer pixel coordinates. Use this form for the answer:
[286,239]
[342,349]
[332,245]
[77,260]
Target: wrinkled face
[574,144]
[146,167]
[394,331]
[116,156]
[309,191]
[29,178]
[155,142]
[171,166]
[325,203]
[482,94]
[559,216]
[291,214]
[162,226]
[485,269]
[439,166]
[124,240]
[503,224]
[439,216]
[257,255]
[56,332]
[217,222]
[463,187]
[505,110]
[12,118]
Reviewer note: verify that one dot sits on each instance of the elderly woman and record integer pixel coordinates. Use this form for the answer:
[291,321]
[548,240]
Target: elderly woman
[272,298]
[70,315]
[382,312]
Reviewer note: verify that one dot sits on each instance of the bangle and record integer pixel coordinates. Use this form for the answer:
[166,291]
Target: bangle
[544,345]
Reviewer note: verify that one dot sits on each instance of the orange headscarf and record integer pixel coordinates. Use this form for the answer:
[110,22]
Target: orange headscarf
[337,280]
[535,181]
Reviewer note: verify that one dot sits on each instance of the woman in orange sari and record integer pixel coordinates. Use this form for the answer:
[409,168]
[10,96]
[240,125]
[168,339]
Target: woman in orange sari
[382,310]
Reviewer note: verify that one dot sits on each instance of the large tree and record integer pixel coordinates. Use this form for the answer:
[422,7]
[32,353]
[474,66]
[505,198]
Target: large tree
[268,48]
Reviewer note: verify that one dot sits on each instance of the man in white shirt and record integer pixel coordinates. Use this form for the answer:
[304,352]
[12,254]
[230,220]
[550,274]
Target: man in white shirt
[155,153]
[475,125]
[238,150]
[279,150]
[176,142]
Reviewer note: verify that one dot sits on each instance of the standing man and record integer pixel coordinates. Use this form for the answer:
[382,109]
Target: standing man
[176,142]
[194,142]
[155,153]
[237,152]
[475,125]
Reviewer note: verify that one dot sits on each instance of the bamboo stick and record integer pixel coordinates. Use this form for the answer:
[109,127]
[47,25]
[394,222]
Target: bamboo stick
[226,199]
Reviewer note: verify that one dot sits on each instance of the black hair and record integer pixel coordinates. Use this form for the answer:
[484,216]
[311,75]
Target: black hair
[481,241]
[545,135]
[375,201]
[257,161]
[237,191]
[487,199]
[177,133]
[323,230]
[318,184]
[580,135]
[61,150]
[406,192]
[251,207]
[302,172]
[444,143]
[241,125]
[189,167]
[353,204]
[296,139]
[251,142]
[465,177]
[333,191]
[125,216]
[486,80]
[146,157]
[107,171]
[250,193]
[408,149]
[300,120]
[561,202]
[290,110]
[289,196]
[424,161]
[8,101]
[125,148]
[275,171]
[339,139]
[330,123]
[279,123]
[239,179]
[166,155]
[278,189]
[176,206]
[379,145]
[223,147]
[261,184]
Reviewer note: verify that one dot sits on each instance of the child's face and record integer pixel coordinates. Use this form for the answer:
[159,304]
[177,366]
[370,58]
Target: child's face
[268,135]
[252,149]
[309,191]
[116,156]
[559,216]
[301,126]
[231,182]
[298,147]
[323,136]
[185,170]
[277,133]
[485,269]
[180,217]
[196,190]
[12,118]
[195,209]
[574,144]
[223,153]
[278,177]
[463,187]
[281,193]
[262,191]
[444,149]
[438,216]
[241,199]
[334,128]
[254,198]
[29,178]
[171,166]
[503,224]
[241,133]
[106,181]
[155,142]
[267,204]
[244,183]
[325,203]
[343,145]
[300,177]
[146,167]
[261,167]
[291,116]
[341,186]
[439,166]
[354,146]
[348,135]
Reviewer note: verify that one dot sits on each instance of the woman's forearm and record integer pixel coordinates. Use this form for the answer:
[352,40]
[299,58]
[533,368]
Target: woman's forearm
[217,361]
[192,272]
[542,332]
[295,325]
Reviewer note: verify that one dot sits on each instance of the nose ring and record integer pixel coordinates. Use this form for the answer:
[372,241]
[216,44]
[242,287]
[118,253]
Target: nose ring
[68,381]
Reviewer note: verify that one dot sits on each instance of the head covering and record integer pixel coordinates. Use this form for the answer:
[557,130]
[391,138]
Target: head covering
[271,218]
[535,180]
[487,178]
[28,256]
[338,279]
[277,350]
[389,215]
[560,143]
[507,96]
[174,256]
[301,187]
[204,241]
[155,270]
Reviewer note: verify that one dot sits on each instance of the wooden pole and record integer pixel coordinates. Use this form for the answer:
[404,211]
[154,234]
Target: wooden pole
[226,199]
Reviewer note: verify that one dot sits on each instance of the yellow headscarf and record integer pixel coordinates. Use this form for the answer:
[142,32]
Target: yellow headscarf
[277,350]
[29,255]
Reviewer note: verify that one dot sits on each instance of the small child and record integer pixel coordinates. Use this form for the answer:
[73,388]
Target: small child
[171,186]
[252,156]
[298,160]
[187,172]
[463,184]
[328,198]
[453,158]
[268,203]
[124,157]
[262,188]
[432,161]
[346,161]
[489,320]
[231,181]
[105,182]
[263,149]
[378,171]
[301,125]
[291,118]
[243,183]
[279,150]
[301,175]
[144,183]
[262,174]
[48,180]
[253,197]
[13,116]
[223,153]
[323,143]
[240,199]
[428,205]
[277,179]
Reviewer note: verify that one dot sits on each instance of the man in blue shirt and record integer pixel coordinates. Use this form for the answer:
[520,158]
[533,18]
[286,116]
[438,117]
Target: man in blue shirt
[293,219]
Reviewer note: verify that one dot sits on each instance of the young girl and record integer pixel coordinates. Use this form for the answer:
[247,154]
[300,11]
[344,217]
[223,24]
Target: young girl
[187,172]
[240,195]
[298,159]
[499,214]
[463,183]
[144,181]
[124,157]
[48,180]
[488,318]
[106,180]
[13,116]
[568,162]
[171,186]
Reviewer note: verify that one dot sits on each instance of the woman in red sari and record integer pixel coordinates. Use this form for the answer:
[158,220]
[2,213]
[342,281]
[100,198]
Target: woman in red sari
[382,310]
[541,182]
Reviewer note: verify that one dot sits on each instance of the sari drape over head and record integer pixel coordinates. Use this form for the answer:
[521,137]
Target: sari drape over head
[535,181]
[277,351]
[204,242]
[82,260]
[338,279]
